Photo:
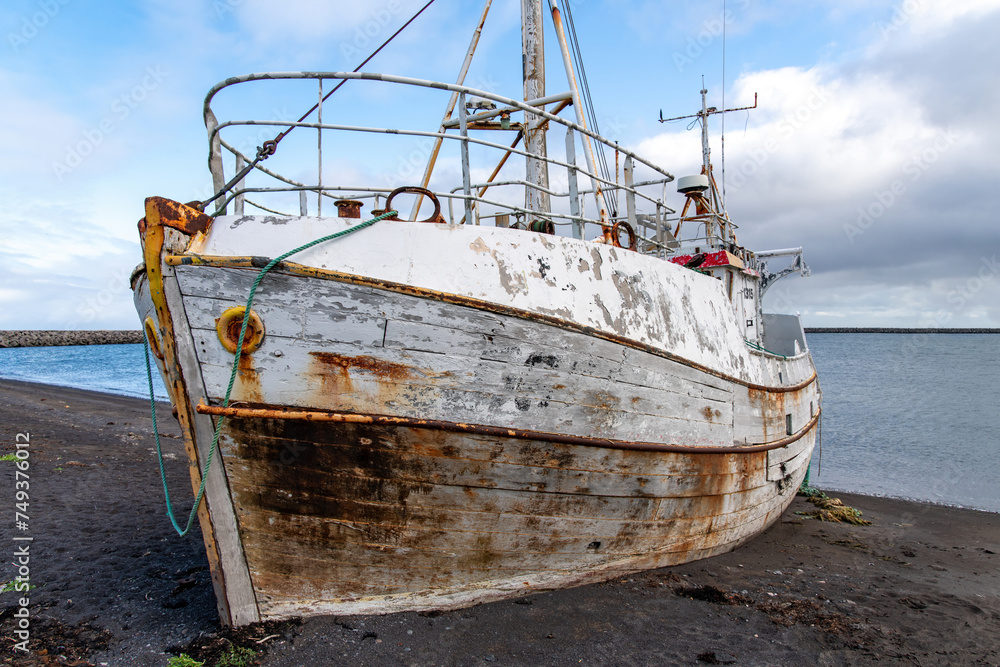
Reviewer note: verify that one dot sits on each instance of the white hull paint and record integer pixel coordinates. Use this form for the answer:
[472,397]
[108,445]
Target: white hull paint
[609,289]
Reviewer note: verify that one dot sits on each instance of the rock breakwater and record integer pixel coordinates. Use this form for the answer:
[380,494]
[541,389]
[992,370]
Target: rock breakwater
[900,330]
[42,338]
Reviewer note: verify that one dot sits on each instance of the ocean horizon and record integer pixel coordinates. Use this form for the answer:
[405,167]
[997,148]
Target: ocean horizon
[907,416]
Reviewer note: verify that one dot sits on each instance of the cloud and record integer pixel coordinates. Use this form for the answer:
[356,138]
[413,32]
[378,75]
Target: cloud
[311,19]
[341,34]
[879,159]
[67,273]
[35,129]
[882,168]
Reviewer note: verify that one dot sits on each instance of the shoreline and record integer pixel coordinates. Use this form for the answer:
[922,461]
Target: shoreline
[110,394]
[10,338]
[116,585]
[166,405]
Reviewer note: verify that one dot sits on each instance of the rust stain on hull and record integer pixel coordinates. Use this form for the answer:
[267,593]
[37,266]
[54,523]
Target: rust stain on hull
[331,511]
[248,380]
[345,375]
[379,367]
[268,412]
[710,414]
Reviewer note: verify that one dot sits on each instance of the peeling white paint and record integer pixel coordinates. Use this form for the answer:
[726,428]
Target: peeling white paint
[616,291]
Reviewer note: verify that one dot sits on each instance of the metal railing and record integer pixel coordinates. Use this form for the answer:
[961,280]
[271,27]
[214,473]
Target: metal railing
[644,210]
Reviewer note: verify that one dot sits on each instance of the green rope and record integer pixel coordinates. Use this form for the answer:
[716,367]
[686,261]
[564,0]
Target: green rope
[808,490]
[761,348]
[232,377]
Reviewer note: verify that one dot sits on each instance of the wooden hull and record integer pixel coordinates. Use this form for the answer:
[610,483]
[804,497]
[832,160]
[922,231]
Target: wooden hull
[374,519]
[393,447]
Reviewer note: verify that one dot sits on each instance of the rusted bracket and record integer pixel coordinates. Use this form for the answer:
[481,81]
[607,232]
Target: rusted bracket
[169,213]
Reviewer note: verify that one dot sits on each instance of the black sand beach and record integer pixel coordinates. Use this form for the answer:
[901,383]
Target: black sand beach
[114,585]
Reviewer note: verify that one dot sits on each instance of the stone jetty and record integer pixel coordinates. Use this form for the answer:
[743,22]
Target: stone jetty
[40,338]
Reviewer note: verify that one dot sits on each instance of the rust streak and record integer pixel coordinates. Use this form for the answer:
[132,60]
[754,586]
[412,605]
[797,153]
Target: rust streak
[380,367]
[268,412]
[249,379]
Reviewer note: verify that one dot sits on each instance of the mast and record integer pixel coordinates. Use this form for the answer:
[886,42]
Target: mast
[712,210]
[706,168]
[580,117]
[533,59]
[432,160]
[706,151]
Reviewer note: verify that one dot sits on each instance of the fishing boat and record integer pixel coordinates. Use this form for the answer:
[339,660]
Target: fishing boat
[540,383]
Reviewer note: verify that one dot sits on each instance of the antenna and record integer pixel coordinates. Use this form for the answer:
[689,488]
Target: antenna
[717,198]
[703,115]
[711,111]
[723,135]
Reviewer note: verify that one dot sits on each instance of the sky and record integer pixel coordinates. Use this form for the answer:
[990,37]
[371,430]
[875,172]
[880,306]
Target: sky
[873,146]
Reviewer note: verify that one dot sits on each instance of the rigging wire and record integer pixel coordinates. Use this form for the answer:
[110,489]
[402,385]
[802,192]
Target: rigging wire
[588,103]
[723,135]
[357,69]
[609,201]
[268,148]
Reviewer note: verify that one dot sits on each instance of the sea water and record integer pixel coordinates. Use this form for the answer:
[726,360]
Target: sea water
[904,415]
[112,369]
[910,416]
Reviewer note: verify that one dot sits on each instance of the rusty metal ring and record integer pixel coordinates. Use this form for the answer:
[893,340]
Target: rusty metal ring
[412,189]
[267,149]
[633,241]
[228,329]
